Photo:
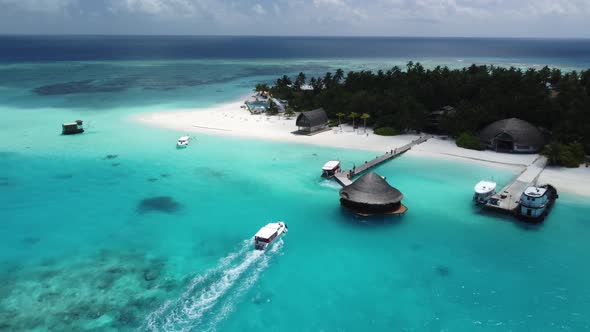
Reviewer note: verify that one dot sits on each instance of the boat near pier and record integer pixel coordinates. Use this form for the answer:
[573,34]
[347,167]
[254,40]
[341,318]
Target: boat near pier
[484,190]
[536,201]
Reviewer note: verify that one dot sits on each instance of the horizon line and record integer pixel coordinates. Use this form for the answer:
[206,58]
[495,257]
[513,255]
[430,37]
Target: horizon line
[285,36]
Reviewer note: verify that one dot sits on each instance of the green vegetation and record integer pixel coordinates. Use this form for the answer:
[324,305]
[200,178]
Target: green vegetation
[386,131]
[468,140]
[289,112]
[365,117]
[403,98]
[261,87]
[568,155]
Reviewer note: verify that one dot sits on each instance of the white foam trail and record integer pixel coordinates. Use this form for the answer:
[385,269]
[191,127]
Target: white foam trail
[246,285]
[202,302]
[152,319]
[211,297]
[329,184]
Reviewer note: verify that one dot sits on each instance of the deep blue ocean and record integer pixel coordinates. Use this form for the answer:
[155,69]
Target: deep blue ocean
[116,230]
[567,52]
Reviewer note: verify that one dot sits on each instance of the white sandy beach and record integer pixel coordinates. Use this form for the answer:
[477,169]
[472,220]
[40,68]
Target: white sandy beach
[231,120]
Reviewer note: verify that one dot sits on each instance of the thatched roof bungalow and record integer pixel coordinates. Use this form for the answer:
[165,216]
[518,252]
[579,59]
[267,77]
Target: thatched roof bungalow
[370,195]
[312,121]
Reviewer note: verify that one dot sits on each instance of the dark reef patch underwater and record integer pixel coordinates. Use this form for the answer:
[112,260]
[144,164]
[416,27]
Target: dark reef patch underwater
[158,204]
[109,290]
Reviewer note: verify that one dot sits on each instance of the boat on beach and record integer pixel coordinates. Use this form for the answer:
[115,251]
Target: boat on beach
[484,190]
[536,201]
[268,234]
[183,142]
[330,169]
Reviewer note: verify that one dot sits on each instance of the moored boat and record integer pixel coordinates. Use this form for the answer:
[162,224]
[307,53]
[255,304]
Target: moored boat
[330,168]
[183,142]
[268,234]
[536,201]
[484,190]
[72,128]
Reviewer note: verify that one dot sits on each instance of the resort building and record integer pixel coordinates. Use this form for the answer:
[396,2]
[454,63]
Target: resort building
[312,121]
[280,106]
[434,118]
[370,195]
[512,135]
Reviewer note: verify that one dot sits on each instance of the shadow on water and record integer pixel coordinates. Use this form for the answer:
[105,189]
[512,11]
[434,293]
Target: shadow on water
[7,154]
[376,221]
[514,220]
[64,176]
[164,204]
[6,182]
[442,270]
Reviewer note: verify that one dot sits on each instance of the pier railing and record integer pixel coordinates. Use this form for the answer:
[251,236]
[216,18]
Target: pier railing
[345,176]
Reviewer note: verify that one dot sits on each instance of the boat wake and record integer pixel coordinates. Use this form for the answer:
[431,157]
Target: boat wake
[211,297]
[329,184]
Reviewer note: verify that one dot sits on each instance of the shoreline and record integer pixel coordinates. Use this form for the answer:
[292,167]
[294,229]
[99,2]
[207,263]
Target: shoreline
[231,120]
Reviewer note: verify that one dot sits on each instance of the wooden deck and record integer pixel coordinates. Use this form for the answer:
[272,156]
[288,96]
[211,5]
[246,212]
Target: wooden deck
[345,176]
[508,199]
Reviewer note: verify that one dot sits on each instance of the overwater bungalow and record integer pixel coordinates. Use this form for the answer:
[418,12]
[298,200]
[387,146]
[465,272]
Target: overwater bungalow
[72,128]
[512,135]
[312,122]
[371,195]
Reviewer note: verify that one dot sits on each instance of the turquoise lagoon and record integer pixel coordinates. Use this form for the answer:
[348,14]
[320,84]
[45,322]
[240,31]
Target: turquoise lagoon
[115,229]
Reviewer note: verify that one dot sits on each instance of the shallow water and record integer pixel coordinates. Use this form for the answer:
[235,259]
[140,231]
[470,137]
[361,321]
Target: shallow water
[115,229]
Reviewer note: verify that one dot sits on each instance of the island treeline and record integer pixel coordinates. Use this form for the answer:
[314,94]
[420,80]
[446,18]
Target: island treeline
[403,99]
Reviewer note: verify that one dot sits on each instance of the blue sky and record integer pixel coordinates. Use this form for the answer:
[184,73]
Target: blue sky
[487,18]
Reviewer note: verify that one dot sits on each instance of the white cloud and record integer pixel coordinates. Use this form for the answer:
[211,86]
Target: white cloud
[41,6]
[258,9]
[159,7]
[324,17]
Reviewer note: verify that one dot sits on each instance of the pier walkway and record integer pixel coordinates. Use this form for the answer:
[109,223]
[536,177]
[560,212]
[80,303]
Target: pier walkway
[508,198]
[345,176]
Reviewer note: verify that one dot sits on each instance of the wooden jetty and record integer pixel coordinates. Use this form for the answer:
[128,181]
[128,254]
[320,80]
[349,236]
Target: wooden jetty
[508,199]
[345,176]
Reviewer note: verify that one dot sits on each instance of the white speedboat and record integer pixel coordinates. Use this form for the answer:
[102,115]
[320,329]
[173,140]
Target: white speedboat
[183,142]
[331,168]
[269,233]
[484,190]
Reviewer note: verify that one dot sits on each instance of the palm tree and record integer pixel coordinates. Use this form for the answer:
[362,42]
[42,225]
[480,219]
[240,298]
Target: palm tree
[353,116]
[300,80]
[340,115]
[339,75]
[365,116]
[289,112]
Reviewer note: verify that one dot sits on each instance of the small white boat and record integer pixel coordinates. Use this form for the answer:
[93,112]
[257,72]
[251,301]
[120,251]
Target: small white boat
[183,142]
[269,233]
[484,190]
[330,168]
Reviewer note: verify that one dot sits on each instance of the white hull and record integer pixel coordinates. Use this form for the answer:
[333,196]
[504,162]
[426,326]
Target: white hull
[269,234]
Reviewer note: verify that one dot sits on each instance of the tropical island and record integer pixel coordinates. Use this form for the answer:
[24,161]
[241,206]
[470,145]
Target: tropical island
[458,102]
[468,110]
